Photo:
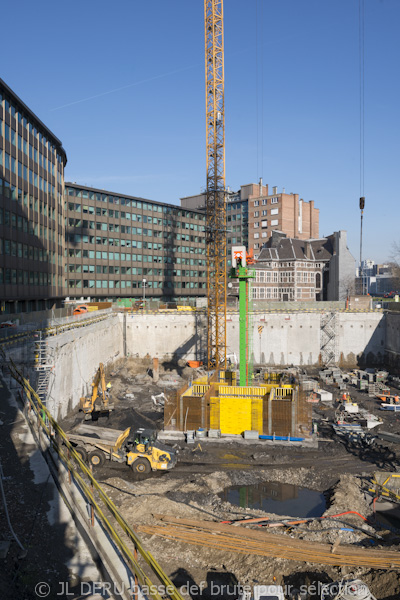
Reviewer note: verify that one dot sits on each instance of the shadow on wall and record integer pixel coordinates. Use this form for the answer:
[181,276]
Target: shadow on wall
[193,348]
[373,354]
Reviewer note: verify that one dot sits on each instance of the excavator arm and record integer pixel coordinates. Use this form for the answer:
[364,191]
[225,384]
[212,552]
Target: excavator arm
[99,395]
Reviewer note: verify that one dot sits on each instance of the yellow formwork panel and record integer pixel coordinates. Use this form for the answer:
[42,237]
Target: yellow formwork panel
[235,414]
[214,413]
[272,377]
[227,377]
[257,414]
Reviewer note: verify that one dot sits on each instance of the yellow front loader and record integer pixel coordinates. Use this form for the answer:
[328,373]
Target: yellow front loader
[146,453]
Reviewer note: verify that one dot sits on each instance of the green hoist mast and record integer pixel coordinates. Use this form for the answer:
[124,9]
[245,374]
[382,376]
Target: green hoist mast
[244,274]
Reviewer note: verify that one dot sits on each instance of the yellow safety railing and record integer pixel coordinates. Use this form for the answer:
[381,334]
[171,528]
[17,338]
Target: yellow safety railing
[58,440]
[240,391]
[385,491]
[279,393]
[196,390]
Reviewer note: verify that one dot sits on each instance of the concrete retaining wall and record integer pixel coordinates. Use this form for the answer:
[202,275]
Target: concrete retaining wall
[167,336]
[77,354]
[286,338]
[392,347]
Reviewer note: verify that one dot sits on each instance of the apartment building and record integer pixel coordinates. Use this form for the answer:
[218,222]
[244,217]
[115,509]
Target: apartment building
[252,214]
[283,212]
[237,212]
[123,246]
[32,162]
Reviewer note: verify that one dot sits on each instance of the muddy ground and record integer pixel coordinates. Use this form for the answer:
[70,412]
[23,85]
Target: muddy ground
[193,489]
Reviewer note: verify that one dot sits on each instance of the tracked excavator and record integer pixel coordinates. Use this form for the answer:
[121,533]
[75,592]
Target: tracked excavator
[99,403]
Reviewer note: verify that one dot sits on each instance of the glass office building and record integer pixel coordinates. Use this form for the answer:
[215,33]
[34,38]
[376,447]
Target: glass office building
[32,162]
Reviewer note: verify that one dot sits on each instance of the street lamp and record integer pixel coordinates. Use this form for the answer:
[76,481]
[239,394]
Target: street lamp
[144,281]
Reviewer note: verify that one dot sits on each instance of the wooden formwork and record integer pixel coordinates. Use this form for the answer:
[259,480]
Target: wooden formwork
[304,414]
[191,413]
[233,409]
[172,409]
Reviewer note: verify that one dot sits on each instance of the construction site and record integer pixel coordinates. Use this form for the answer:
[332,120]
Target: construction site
[247,452]
[212,479]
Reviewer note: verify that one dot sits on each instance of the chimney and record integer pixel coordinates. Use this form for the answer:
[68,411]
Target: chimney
[283,191]
[275,239]
[261,187]
[308,250]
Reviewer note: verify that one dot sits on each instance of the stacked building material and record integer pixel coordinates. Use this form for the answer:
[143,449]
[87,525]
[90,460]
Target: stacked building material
[362,384]
[333,377]
[378,389]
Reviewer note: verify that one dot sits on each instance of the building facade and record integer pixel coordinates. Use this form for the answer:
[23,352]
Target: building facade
[378,279]
[116,245]
[293,270]
[32,162]
[252,214]
[283,212]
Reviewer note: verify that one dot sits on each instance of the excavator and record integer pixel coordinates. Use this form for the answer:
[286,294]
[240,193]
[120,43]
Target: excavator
[99,402]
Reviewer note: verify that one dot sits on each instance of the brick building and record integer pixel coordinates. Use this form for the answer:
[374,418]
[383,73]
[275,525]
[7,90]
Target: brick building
[252,214]
[283,212]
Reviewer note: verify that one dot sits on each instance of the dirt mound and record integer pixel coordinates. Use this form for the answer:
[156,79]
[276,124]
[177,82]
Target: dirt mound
[130,417]
[347,495]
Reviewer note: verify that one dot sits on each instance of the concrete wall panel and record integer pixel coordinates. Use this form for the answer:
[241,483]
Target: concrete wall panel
[77,355]
[392,356]
[285,339]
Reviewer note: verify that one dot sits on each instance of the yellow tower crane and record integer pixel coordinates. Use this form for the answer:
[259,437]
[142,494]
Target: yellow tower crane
[215,193]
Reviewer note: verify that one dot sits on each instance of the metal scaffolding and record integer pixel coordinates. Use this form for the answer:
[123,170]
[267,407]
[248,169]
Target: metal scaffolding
[328,338]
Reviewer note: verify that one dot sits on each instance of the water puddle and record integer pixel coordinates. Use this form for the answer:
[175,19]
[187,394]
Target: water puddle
[278,498]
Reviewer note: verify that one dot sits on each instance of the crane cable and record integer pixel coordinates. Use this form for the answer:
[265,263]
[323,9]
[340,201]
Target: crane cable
[361,22]
[259,92]
[361,36]
[257,102]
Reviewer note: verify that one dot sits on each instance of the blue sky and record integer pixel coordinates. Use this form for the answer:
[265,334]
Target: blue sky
[122,85]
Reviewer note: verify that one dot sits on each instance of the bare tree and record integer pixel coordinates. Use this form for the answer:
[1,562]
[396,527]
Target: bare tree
[347,287]
[394,265]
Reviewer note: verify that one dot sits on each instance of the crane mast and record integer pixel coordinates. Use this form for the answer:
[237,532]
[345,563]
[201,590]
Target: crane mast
[215,192]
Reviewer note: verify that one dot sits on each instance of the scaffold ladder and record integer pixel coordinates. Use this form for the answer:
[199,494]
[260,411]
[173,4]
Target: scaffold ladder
[44,366]
[328,338]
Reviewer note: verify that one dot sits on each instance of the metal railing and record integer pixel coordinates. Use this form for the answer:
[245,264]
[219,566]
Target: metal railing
[130,546]
[51,327]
